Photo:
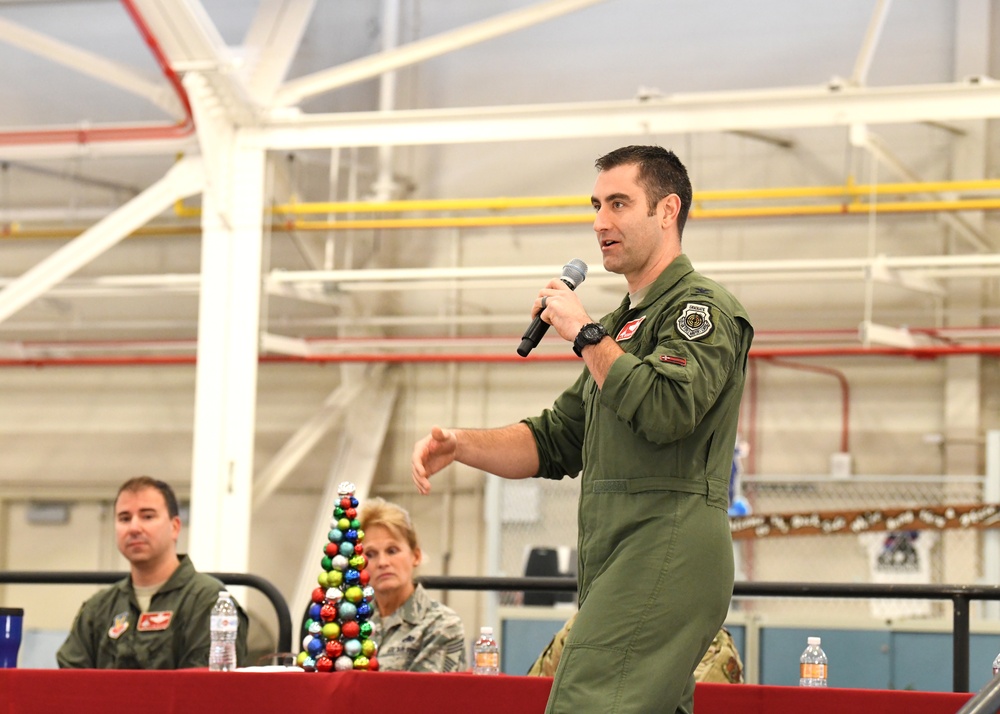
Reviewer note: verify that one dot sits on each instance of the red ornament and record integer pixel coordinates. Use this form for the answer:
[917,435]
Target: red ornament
[372,664]
[363,577]
[358,548]
[332,549]
[328,613]
[334,649]
[324,663]
[345,502]
[318,595]
[351,629]
[351,513]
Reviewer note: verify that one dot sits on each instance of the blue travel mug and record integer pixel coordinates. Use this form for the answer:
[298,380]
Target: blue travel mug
[10,636]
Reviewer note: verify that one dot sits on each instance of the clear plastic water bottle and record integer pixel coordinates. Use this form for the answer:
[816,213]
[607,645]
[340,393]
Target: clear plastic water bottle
[486,652]
[813,665]
[225,625]
[996,666]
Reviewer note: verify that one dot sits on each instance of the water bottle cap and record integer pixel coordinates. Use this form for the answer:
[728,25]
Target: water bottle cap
[813,640]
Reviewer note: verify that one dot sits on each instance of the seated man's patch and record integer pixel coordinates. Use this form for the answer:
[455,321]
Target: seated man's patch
[695,321]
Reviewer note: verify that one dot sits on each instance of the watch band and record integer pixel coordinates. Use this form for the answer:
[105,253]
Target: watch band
[590,334]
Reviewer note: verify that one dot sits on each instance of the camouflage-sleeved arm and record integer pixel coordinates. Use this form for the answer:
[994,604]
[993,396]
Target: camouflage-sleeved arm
[442,648]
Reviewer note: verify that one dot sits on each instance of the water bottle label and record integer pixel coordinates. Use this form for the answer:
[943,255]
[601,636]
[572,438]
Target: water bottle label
[486,660]
[225,623]
[812,671]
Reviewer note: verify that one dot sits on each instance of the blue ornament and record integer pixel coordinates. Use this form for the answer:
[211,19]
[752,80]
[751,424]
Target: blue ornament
[352,535]
[315,646]
[335,535]
[364,611]
[352,577]
[314,611]
[347,549]
[347,610]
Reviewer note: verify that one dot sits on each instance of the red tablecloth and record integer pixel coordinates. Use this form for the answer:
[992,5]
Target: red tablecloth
[45,691]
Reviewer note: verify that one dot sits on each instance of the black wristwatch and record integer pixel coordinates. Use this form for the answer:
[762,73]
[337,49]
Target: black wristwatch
[589,334]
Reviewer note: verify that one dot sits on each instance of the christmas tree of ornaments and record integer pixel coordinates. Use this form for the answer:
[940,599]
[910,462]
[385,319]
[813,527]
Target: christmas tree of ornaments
[338,631]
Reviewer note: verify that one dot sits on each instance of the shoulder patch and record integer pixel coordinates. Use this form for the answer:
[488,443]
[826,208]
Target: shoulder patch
[695,321]
[119,625]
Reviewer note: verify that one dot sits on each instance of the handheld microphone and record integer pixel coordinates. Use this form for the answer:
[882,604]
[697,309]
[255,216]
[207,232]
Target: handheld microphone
[574,273]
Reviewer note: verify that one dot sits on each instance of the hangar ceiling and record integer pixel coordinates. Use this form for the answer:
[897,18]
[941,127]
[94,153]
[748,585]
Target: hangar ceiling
[385,126]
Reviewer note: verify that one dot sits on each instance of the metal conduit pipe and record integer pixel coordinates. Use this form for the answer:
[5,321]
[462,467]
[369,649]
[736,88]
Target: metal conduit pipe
[923,352]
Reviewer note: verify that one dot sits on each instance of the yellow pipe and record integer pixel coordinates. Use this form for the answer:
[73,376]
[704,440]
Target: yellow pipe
[458,204]
[696,214]
[445,222]
[854,207]
[848,190]
[182,211]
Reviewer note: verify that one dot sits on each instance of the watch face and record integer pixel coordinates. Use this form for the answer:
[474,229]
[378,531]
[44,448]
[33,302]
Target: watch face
[593,333]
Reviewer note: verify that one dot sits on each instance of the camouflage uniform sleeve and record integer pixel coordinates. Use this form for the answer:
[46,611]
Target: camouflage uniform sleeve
[721,663]
[442,648]
[548,660]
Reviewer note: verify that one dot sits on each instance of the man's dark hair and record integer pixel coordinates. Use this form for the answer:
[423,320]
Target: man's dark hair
[138,483]
[661,173]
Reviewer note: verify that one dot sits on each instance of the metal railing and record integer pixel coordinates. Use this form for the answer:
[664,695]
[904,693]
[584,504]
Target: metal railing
[66,577]
[959,595]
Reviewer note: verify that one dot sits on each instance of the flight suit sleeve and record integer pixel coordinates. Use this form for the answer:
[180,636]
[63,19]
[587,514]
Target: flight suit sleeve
[558,432]
[664,395]
[77,652]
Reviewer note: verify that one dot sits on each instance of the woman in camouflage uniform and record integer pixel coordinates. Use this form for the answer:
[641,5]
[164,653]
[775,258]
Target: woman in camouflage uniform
[414,633]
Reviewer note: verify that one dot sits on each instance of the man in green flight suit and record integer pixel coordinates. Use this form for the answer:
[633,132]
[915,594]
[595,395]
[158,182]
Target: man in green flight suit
[158,617]
[651,423]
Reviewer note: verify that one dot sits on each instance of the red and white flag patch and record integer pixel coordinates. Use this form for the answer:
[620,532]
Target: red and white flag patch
[629,329]
[154,621]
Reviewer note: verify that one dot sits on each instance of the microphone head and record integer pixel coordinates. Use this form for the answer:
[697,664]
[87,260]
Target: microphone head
[574,272]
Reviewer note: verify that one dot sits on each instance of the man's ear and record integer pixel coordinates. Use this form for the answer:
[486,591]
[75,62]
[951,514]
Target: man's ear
[669,209]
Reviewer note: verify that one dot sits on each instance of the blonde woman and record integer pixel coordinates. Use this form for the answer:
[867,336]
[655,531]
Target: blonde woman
[414,632]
